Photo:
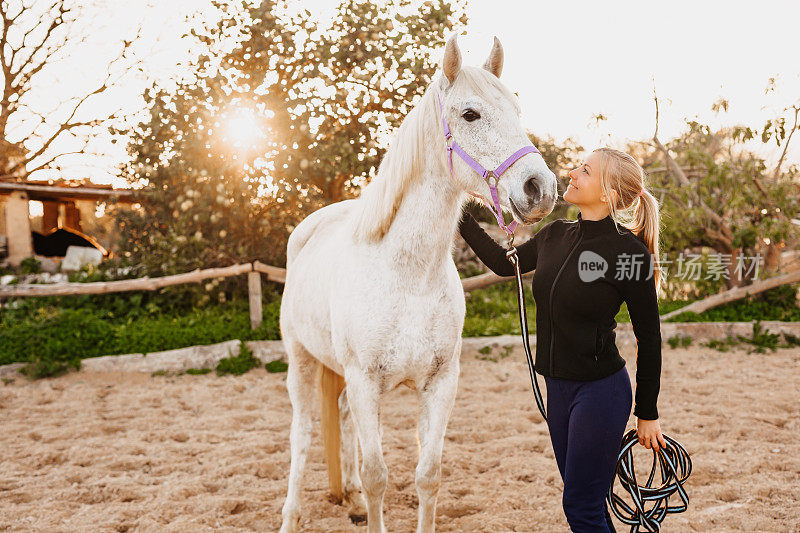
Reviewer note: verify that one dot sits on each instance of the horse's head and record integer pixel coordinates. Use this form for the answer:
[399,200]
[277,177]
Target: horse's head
[484,118]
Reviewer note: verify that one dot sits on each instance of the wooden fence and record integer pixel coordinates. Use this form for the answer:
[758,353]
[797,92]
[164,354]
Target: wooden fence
[253,270]
[277,274]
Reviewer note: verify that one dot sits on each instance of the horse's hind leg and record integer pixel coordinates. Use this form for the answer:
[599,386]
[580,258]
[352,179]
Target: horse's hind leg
[301,384]
[353,497]
[435,405]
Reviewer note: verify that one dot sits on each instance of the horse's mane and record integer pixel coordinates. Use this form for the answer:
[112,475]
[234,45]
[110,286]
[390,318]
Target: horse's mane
[401,165]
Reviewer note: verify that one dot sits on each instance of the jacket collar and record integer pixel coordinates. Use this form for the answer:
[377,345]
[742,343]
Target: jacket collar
[591,228]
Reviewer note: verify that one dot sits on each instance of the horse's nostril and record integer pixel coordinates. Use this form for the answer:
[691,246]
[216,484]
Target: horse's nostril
[531,187]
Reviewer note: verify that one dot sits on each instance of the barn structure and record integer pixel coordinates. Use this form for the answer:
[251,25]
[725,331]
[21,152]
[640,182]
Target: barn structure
[65,205]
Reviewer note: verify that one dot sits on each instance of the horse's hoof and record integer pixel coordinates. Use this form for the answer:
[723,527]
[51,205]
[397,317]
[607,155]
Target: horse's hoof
[358,519]
[290,523]
[356,503]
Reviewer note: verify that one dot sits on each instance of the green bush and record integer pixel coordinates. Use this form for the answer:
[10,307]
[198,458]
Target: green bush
[54,339]
[30,265]
[277,366]
[238,364]
[494,311]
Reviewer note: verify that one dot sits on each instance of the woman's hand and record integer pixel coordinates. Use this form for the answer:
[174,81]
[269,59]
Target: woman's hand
[649,433]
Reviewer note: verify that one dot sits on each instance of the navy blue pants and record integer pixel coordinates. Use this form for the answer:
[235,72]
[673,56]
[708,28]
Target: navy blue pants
[587,420]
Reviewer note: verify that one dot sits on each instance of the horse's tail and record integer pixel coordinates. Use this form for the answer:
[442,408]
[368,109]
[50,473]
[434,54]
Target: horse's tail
[331,386]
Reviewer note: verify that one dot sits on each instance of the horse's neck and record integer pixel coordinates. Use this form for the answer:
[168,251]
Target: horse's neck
[422,232]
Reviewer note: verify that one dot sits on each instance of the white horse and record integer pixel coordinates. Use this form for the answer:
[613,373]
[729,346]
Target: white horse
[373,299]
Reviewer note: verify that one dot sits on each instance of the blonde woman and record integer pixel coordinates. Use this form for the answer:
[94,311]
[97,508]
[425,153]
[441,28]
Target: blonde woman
[585,270]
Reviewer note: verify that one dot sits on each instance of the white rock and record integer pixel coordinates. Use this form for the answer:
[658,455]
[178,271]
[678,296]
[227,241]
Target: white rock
[78,256]
[47,264]
[110,363]
[267,351]
[192,357]
[11,370]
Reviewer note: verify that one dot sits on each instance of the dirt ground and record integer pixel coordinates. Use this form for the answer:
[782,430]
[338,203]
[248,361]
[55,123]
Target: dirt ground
[131,452]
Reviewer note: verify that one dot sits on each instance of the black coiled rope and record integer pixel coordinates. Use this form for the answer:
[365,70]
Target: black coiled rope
[673,459]
[675,466]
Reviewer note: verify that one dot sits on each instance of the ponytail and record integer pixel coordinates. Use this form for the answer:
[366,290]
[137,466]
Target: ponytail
[645,225]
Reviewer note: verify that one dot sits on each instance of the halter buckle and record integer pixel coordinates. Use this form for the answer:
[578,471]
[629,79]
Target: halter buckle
[490,178]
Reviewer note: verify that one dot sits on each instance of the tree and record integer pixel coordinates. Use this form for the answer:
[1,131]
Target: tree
[718,194]
[31,39]
[291,118]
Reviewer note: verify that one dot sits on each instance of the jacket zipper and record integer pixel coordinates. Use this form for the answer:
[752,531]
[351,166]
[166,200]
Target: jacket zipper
[552,289]
[596,349]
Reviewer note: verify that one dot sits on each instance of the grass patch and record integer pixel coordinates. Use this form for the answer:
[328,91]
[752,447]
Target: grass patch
[722,345]
[487,353]
[493,310]
[198,371]
[238,364]
[760,341]
[684,341]
[277,366]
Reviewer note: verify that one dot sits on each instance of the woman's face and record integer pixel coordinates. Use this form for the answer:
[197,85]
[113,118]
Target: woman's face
[584,183]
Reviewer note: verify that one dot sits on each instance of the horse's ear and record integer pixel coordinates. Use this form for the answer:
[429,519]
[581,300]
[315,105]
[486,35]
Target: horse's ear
[451,64]
[494,63]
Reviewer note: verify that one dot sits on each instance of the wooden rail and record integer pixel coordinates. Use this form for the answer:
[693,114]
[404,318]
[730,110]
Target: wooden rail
[734,294]
[278,275]
[124,285]
[253,270]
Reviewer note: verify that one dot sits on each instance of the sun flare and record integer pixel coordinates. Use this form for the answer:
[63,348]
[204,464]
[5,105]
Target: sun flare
[242,127]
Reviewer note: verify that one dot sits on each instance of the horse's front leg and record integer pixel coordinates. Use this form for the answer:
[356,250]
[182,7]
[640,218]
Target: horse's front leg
[301,383]
[436,400]
[363,397]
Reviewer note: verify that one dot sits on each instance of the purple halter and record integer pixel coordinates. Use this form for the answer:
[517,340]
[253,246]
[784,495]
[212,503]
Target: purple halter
[491,176]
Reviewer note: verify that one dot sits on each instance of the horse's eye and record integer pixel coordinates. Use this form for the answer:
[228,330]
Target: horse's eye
[469,115]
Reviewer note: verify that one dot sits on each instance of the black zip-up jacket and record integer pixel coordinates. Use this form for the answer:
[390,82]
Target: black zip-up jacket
[577,299]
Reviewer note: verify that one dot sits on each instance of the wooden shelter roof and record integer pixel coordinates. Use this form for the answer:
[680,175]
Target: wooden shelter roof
[66,190]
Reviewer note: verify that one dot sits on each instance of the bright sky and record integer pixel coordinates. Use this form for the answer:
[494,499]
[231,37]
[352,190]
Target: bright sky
[568,60]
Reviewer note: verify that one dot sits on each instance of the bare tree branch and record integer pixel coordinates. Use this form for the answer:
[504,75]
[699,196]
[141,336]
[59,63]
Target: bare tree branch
[796,109]
[674,168]
[38,44]
[722,233]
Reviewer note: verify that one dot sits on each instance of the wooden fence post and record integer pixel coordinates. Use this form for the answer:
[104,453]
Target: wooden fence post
[254,291]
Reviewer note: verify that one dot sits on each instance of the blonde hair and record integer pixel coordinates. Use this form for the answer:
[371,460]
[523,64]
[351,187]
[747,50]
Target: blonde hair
[621,173]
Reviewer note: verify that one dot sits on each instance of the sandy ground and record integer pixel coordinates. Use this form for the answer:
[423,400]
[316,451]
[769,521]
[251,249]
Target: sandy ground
[131,452]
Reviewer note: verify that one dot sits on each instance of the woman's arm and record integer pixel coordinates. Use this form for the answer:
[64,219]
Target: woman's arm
[492,254]
[640,295]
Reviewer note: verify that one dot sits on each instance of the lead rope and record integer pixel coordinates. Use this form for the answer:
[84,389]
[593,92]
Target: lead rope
[673,459]
[675,469]
[523,322]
